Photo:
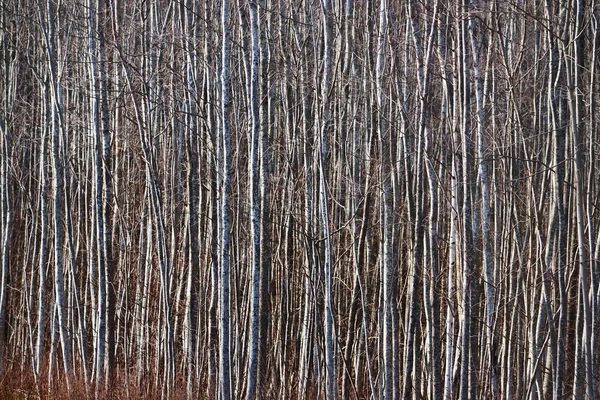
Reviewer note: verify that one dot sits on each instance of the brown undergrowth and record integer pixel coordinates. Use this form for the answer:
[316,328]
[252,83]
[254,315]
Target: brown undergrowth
[18,382]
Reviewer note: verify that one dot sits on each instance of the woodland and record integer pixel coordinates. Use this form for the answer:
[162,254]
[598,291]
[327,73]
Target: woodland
[313,199]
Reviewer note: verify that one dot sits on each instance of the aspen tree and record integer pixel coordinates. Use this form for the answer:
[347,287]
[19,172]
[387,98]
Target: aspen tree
[329,328]
[266,114]
[5,198]
[286,224]
[415,199]
[151,123]
[490,296]
[191,71]
[387,267]
[466,375]
[6,214]
[305,44]
[424,52]
[210,137]
[449,99]
[358,204]
[98,109]
[253,137]
[224,164]
[81,328]
[48,15]
[44,222]
[592,128]
[107,201]
[574,65]
[557,107]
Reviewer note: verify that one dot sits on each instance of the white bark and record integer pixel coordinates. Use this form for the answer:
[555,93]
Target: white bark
[253,137]
[5,196]
[43,256]
[466,374]
[309,268]
[5,231]
[387,264]
[573,74]
[224,166]
[100,343]
[330,342]
[48,17]
[489,284]
[191,296]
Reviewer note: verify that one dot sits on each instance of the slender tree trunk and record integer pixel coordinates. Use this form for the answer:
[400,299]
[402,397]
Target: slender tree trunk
[557,106]
[6,215]
[48,16]
[104,139]
[101,264]
[193,158]
[467,383]
[387,264]
[330,332]
[253,137]
[309,264]
[574,67]
[5,197]
[43,256]
[453,242]
[488,272]
[266,115]
[224,157]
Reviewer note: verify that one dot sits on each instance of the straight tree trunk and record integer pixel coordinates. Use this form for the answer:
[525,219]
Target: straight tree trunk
[488,272]
[309,264]
[44,226]
[432,309]
[104,139]
[224,164]
[266,115]
[6,215]
[387,263]
[467,383]
[574,67]
[330,342]
[414,173]
[101,264]
[5,197]
[48,15]
[557,109]
[255,232]
[193,158]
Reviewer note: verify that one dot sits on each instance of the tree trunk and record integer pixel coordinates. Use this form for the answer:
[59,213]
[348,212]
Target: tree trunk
[224,164]
[255,232]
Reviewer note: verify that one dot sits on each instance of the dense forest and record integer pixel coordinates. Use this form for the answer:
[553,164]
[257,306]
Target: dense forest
[300,199]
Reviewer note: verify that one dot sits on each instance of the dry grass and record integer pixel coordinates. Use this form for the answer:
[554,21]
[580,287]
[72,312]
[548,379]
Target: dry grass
[17,382]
